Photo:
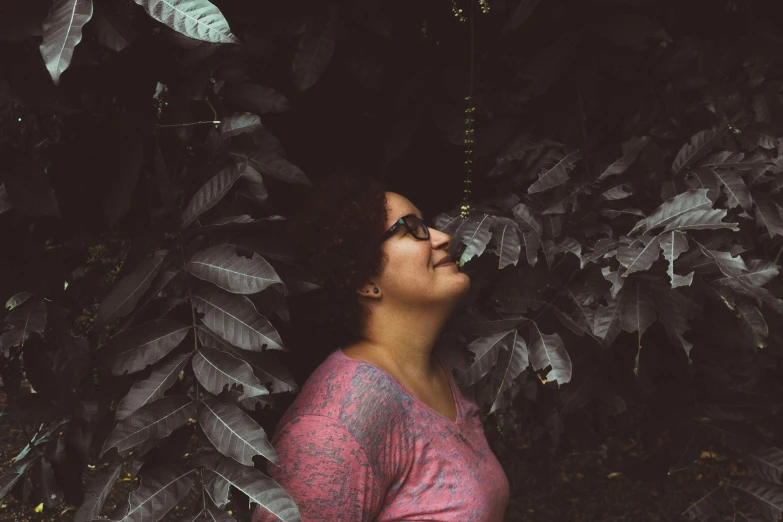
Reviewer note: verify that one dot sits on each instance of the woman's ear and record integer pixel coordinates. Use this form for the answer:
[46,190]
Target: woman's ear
[369,290]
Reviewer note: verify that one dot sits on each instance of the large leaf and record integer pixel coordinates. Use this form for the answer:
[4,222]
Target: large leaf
[313,55]
[258,487]
[753,324]
[153,387]
[210,194]
[512,360]
[486,349]
[607,324]
[96,491]
[155,420]
[701,220]
[27,318]
[673,244]
[270,372]
[29,190]
[767,463]
[111,31]
[730,265]
[62,32]
[271,163]
[697,147]
[519,13]
[532,243]
[760,272]
[769,215]
[255,98]
[637,312]
[222,266]
[704,508]
[527,219]
[636,256]
[549,350]
[239,123]
[694,199]
[13,472]
[198,19]
[506,241]
[556,174]
[234,318]
[212,513]
[132,350]
[673,310]
[767,496]
[160,490]
[124,295]
[474,233]
[215,370]
[17,300]
[736,190]
[622,164]
[234,433]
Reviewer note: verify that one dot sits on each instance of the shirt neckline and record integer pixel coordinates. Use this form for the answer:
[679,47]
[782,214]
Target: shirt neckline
[452,387]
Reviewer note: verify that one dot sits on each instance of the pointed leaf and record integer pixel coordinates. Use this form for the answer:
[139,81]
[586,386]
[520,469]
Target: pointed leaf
[555,175]
[767,497]
[132,350]
[616,193]
[222,266]
[212,513]
[549,350]
[111,31]
[17,300]
[198,19]
[760,272]
[239,123]
[637,313]
[210,194]
[486,349]
[27,318]
[234,433]
[215,370]
[507,246]
[234,318]
[641,257]
[96,492]
[769,216]
[155,420]
[753,324]
[532,243]
[601,247]
[473,232]
[258,487]
[728,264]
[622,164]
[160,490]
[527,219]
[673,244]
[127,292]
[313,55]
[254,98]
[272,164]
[694,199]
[735,187]
[14,472]
[253,186]
[697,147]
[673,310]
[607,320]
[583,315]
[62,32]
[152,388]
[29,190]
[766,463]
[703,178]
[512,360]
[268,370]
[701,220]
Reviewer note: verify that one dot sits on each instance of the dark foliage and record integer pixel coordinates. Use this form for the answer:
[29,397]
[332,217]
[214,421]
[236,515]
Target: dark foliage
[623,240]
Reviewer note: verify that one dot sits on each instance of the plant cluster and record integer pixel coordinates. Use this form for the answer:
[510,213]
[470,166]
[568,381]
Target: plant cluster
[623,245]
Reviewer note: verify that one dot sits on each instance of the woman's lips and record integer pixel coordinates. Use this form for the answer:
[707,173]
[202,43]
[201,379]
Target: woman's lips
[450,263]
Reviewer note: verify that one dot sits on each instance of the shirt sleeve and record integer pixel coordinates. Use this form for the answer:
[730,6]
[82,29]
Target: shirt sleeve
[325,471]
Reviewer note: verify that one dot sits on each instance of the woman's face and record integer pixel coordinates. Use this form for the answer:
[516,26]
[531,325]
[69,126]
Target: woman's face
[409,274]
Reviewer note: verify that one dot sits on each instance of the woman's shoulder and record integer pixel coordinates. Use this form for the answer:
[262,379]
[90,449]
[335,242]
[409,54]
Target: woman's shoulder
[359,396]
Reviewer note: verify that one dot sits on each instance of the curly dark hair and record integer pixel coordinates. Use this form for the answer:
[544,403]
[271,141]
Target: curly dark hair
[336,233]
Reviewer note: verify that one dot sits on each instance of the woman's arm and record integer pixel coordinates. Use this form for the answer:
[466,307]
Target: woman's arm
[325,471]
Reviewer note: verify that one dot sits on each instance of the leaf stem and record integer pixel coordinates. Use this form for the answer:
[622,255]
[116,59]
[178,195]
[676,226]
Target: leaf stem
[186,124]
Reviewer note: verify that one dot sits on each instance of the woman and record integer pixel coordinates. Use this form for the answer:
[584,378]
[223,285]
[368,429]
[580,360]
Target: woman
[380,431]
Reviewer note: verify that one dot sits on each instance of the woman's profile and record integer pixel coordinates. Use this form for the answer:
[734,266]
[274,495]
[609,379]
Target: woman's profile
[380,430]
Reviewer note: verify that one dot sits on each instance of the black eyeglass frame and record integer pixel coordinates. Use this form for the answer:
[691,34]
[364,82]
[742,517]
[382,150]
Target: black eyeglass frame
[401,222]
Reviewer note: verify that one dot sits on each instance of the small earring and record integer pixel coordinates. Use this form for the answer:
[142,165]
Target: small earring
[376,291]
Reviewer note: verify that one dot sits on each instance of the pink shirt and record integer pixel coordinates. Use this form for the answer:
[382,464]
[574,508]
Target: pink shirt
[355,445]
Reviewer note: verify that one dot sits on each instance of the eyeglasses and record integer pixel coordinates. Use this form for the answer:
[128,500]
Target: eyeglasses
[413,224]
